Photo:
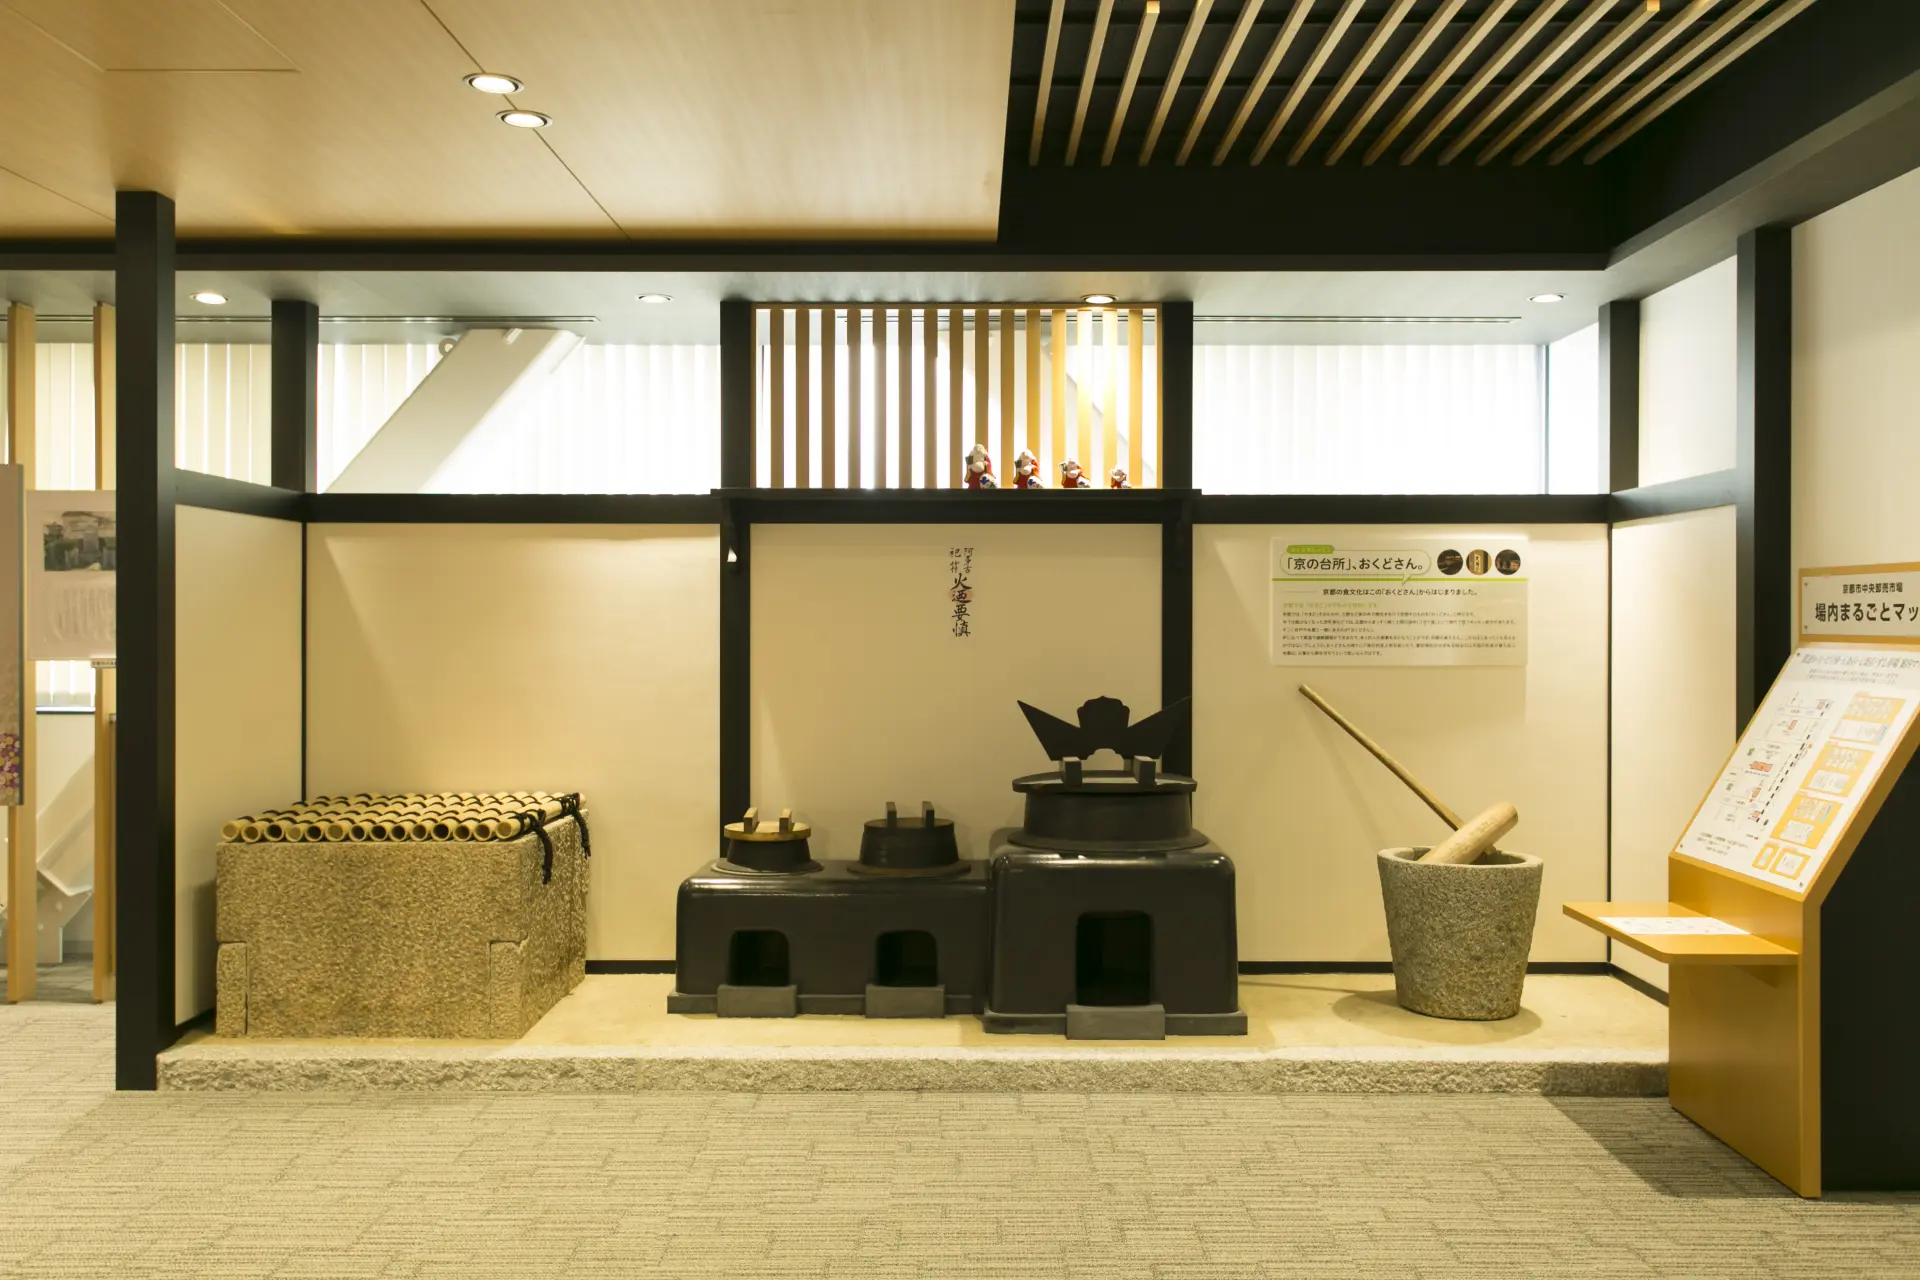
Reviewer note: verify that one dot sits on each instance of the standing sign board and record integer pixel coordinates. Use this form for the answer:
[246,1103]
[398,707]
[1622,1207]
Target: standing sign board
[1794,992]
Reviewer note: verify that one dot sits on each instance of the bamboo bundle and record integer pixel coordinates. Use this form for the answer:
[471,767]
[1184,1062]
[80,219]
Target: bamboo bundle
[459,816]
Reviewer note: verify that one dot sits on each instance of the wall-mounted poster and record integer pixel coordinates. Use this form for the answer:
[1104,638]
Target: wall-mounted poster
[70,586]
[12,661]
[1457,601]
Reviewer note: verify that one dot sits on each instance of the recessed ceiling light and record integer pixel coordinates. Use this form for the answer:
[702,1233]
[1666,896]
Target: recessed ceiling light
[655,299]
[490,82]
[1548,297]
[211,298]
[525,119]
[1098,299]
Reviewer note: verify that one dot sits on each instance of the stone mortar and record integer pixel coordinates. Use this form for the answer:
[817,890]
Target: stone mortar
[1460,933]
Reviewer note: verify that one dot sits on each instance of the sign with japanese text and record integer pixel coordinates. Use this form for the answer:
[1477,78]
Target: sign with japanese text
[1809,759]
[1458,601]
[1875,602]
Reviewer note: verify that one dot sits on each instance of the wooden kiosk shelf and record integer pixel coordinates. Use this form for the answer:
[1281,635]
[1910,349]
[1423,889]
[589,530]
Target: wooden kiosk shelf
[1679,948]
[1793,1040]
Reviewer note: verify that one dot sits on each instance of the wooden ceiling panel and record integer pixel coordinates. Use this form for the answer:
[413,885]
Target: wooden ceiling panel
[154,35]
[27,209]
[373,134]
[867,118]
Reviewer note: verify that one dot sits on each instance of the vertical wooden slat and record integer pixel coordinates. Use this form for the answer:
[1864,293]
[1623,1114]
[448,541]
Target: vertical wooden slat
[1057,335]
[880,400]
[956,394]
[929,371]
[1032,340]
[1083,401]
[1110,400]
[1007,436]
[982,388]
[803,398]
[829,417]
[856,397]
[777,396]
[23,887]
[105,377]
[903,467]
[1136,388]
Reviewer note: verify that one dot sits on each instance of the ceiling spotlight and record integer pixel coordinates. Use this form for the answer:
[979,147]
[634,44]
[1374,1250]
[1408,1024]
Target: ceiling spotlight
[489,82]
[525,119]
[1548,297]
[210,298]
[1098,299]
[655,299]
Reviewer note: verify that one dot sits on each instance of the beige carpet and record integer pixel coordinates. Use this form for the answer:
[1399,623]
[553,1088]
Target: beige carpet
[881,1184]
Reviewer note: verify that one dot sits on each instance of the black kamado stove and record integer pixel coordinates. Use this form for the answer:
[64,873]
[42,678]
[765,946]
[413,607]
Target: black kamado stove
[1111,917]
[769,931]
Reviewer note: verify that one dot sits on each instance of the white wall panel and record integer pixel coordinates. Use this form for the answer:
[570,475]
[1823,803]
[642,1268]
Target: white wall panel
[1303,810]
[1856,380]
[1673,694]
[523,657]
[1689,366]
[237,724]
[863,694]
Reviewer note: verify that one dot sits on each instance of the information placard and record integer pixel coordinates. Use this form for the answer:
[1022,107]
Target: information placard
[1808,760]
[1457,601]
[1872,603]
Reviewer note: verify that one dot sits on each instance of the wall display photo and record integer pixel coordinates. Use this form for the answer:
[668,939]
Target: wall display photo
[1808,760]
[71,583]
[1458,601]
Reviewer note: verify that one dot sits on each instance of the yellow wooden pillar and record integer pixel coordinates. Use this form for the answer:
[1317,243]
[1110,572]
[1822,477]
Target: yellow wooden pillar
[23,881]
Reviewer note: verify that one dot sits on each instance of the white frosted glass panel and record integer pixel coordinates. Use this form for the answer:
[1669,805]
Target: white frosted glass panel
[1369,419]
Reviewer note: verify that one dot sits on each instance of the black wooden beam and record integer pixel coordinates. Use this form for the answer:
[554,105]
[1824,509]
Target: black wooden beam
[1175,343]
[1675,497]
[1763,554]
[736,393]
[144,599]
[736,540]
[296,393]
[218,493]
[1620,391]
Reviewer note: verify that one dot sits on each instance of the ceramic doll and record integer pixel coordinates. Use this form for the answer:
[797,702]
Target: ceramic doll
[980,469]
[1072,477]
[1117,479]
[1026,472]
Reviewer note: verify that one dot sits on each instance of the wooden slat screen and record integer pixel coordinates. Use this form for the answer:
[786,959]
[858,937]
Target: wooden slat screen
[894,396]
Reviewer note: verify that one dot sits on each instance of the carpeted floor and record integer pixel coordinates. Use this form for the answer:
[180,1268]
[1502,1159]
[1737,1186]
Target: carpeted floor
[867,1185]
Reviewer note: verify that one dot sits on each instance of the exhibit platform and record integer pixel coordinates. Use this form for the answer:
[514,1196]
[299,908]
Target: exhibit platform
[1307,1033]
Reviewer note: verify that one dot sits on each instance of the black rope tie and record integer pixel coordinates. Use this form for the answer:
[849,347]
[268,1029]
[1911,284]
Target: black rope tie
[570,807]
[538,823]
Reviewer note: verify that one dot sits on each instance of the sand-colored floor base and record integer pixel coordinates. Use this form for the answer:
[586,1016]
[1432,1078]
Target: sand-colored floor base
[1319,1033]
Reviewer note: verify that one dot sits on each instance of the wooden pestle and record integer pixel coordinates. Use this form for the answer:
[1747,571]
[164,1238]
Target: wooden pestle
[1476,837]
[1432,801]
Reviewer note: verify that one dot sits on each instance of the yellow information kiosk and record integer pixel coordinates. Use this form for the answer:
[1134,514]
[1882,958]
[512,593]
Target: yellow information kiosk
[1793,930]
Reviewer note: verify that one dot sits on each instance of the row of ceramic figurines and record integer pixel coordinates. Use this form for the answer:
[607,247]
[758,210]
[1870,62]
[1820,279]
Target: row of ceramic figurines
[1026,472]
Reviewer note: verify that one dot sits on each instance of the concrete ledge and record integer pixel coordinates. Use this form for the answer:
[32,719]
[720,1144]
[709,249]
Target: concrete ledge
[501,1068]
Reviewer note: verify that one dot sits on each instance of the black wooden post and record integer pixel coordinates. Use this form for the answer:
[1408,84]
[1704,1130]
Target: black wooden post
[736,583]
[144,906]
[1764,466]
